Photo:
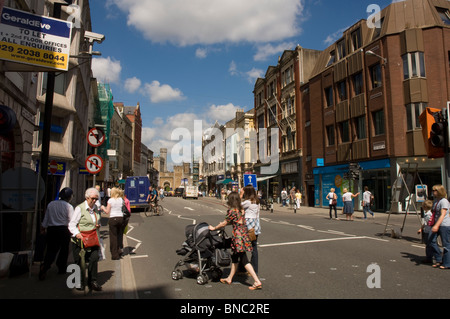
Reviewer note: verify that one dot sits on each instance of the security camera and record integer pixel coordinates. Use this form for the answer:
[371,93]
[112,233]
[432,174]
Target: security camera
[92,36]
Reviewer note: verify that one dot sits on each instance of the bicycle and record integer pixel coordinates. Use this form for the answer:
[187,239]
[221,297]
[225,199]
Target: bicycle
[152,209]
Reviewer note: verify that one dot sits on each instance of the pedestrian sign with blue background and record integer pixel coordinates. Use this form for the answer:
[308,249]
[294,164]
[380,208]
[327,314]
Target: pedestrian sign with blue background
[250,179]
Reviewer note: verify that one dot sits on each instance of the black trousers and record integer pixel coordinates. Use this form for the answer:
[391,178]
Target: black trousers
[116,228]
[58,239]
[91,258]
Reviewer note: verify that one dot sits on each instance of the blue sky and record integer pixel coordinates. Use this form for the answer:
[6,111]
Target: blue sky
[186,60]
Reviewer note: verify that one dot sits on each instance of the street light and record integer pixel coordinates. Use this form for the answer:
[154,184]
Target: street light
[378,56]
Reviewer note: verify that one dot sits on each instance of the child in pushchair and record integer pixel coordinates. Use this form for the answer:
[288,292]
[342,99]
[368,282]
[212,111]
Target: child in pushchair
[204,252]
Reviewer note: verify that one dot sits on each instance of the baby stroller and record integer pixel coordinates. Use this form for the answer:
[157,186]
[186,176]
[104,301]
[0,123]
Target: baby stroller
[204,252]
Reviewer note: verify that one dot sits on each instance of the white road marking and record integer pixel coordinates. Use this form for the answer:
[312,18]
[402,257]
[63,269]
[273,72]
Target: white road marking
[313,241]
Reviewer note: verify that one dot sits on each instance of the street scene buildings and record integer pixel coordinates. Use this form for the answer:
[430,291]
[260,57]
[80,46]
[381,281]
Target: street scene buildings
[354,106]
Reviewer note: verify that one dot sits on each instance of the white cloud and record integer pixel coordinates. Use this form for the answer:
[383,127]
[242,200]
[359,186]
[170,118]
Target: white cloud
[222,113]
[201,53]
[182,129]
[233,68]
[162,93]
[226,21]
[266,51]
[106,70]
[132,84]
[254,74]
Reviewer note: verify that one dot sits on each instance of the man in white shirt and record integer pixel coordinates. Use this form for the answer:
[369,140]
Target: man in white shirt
[55,225]
[367,199]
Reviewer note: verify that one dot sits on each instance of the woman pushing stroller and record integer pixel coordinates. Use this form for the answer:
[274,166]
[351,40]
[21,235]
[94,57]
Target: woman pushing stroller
[240,241]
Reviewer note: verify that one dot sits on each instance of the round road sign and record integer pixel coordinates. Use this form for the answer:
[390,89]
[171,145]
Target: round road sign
[94,164]
[53,167]
[95,137]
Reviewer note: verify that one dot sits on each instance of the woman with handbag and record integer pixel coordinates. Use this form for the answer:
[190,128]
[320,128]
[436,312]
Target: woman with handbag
[250,203]
[332,203]
[84,227]
[240,241]
[115,223]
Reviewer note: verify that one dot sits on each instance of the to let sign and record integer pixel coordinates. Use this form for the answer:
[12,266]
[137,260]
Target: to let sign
[34,40]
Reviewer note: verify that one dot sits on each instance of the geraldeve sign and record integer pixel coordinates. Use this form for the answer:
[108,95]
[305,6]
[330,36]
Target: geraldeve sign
[34,40]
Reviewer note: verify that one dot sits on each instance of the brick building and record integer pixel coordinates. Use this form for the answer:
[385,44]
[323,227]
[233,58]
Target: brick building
[358,104]
[364,98]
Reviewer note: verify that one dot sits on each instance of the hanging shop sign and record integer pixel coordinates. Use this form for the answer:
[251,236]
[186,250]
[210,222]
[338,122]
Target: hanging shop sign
[34,40]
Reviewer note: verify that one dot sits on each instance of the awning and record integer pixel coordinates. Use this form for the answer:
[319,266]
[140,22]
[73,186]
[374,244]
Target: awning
[225,181]
[265,178]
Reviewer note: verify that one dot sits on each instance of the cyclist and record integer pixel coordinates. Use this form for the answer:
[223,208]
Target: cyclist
[152,198]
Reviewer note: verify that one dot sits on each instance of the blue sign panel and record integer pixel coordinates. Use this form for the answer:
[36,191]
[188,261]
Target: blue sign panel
[250,179]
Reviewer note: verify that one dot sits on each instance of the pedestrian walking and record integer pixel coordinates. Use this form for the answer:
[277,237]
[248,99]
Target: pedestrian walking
[250,203]
[115,223]
[367,201]
[298,198]
[332,202]
[55,227]
[347,198]
[425,230]
[86,218]
[440,226]
[240,241]
[284,196]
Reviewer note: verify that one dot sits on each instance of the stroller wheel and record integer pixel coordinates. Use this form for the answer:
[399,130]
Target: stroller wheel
[202,279]
[177,274]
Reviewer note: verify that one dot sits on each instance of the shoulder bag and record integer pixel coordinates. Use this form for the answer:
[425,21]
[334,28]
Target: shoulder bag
[90,237]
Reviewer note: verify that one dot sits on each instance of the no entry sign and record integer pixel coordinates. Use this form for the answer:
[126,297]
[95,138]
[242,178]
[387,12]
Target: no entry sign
[94,164]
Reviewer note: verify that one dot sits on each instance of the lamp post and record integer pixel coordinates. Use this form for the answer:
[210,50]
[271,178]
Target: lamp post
[378,56]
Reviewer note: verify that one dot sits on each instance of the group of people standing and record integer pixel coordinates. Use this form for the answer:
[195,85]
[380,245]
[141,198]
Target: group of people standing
[347,198]
[294,197]
[437,224]
[65,225]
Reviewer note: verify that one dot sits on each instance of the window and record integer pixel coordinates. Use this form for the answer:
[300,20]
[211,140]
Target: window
[358,83]
[330,135]
[444,14]
[377,31]
[342,90]
[413,112]
[272,114]
[375,75]
[271,89]
[341,49]
[332,58]
[378,122]
[329,96]
[356,39]
[261,123]
[413,65]
[360,126]
[345,131]
[60,83]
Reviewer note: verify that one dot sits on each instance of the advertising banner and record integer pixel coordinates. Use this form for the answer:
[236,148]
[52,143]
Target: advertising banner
[34,40]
